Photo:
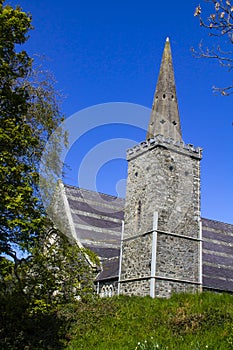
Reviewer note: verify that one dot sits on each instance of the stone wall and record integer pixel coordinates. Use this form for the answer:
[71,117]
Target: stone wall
[137,287]
[137,257]
[166,288]
[163,177]
[183,255]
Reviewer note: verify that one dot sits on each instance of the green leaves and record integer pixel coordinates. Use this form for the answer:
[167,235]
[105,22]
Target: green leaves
[45,268]
[15,25]
[58,272]
[29,113]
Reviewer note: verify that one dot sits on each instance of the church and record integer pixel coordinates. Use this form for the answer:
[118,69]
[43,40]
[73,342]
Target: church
[154,242]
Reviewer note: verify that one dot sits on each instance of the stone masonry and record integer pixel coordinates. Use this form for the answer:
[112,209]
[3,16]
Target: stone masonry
[162,240]
[162,178]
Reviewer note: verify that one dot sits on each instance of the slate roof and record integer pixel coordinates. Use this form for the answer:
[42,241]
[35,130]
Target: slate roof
[110,270]
[98,219]
[217,255]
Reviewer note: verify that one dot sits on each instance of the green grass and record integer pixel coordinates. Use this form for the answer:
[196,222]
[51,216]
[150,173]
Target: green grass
[183,322]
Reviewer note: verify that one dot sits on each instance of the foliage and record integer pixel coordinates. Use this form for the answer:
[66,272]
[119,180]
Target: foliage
[185,322]
[94,259]
[219,24]
[150,344]
[57,273]
[22,330]
[45,269]
[29,113]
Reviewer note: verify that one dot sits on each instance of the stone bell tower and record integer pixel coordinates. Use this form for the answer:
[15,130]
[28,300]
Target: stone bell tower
[161,244]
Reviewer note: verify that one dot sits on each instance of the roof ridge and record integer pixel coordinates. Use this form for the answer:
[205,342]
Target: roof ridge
[86,190]
[221,222]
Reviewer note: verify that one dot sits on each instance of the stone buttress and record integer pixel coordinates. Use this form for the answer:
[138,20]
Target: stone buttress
[161,245]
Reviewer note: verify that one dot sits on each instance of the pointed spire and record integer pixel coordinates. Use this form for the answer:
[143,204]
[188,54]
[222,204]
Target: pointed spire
[165,118]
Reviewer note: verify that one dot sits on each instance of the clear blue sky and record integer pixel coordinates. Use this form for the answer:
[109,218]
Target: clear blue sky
[103,51]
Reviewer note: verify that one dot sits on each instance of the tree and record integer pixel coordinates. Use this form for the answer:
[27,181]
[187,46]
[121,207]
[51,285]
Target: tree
[58,272]
[53,269]
[29,113]
[219,23]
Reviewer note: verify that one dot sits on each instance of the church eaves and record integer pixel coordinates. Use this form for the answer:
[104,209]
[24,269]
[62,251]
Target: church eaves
[165,118]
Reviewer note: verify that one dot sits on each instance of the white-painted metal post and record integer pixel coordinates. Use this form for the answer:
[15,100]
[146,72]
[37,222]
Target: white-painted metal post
[98,288]
[153,255]
[120,258]
[200,255]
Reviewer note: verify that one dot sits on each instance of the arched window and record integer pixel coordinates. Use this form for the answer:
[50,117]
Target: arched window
[102,292]
[110,293]
[107,291]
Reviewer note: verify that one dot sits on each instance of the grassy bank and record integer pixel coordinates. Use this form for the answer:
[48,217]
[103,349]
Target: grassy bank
[202,321]
[183,322]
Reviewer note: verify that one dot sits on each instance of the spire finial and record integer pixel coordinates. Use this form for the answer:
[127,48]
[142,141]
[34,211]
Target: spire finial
[165,118]
[167,39]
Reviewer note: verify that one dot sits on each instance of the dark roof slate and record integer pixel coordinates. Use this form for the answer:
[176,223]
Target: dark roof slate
[97,219]
[110,270]
[217,257]
[217,225]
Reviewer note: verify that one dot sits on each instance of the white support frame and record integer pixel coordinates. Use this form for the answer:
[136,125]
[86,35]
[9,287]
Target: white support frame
[120,258]
[153,254]
[200,256]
